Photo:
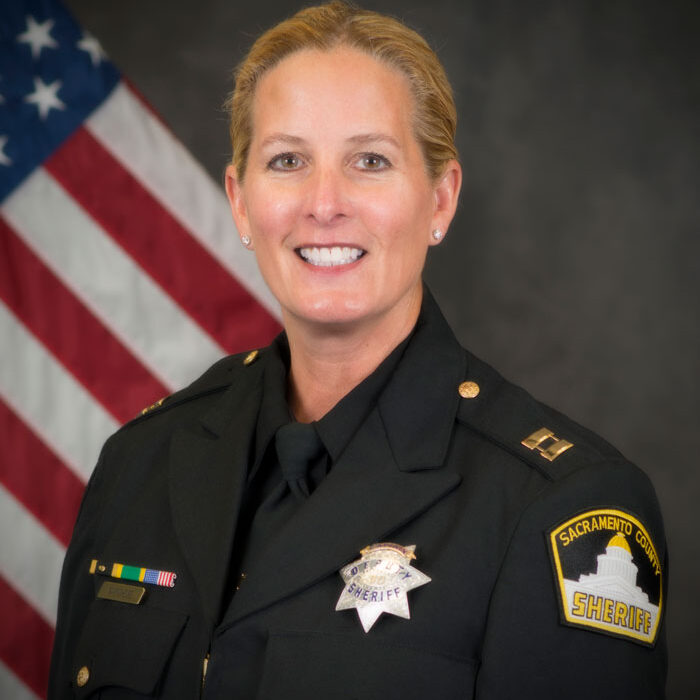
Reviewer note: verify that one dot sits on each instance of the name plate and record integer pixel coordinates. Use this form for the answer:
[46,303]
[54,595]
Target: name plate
[121,592]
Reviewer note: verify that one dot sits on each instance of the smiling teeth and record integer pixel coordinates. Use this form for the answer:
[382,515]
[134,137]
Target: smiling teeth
[329,257]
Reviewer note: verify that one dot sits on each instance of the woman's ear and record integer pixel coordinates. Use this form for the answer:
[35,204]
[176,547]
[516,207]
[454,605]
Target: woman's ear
[446,197]
[234,192]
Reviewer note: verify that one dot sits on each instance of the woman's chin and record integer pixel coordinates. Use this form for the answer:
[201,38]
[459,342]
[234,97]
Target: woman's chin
[352,309]
[331,311]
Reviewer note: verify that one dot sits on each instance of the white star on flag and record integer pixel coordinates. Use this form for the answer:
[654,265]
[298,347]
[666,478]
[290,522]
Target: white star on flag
[4,158]
[89,44]
[38,36]
[45,97]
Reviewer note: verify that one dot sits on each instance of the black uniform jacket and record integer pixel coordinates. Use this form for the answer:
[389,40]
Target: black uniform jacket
[439,463]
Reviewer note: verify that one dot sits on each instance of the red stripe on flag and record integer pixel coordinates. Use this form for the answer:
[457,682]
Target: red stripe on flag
[37,477]
[160,244]
[68,329]
[25,640]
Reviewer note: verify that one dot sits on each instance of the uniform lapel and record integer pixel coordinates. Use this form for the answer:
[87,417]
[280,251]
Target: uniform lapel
[390,473]
[208,466]
[363,500]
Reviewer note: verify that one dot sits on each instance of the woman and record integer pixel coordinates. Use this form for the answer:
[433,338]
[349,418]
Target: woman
[363,509]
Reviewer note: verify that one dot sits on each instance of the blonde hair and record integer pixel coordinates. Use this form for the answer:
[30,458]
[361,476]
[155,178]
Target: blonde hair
[387,39]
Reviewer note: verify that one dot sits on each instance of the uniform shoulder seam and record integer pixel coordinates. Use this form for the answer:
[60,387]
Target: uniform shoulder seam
[538,435]
[214,380]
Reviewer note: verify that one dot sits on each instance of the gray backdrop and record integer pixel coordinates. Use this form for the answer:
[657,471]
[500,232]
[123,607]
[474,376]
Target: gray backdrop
[573,265]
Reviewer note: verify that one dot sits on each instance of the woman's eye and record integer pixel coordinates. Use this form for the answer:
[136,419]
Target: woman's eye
[373,161]
[285,161]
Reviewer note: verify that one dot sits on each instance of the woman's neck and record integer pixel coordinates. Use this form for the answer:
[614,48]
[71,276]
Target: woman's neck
[328,362]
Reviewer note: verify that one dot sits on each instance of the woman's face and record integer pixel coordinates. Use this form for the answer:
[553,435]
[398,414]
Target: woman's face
[336,198]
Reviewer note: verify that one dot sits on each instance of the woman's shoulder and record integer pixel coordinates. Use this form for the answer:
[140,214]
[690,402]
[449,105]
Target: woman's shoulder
[228,385]
[232,379]
[581,504]
[238,371]
[515,421]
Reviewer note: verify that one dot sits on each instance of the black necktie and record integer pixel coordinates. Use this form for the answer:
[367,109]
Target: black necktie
[298,446]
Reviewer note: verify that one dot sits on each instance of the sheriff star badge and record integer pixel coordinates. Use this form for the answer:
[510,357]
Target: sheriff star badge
[379,582]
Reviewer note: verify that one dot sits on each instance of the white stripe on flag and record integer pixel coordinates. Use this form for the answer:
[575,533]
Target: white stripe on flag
[32,559]
[49,399]
[12,688]
[165,168]
[109,282]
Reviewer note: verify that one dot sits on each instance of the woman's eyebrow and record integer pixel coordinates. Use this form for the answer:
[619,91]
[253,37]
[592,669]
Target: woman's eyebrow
[282,139]
[358,140]
[364,139]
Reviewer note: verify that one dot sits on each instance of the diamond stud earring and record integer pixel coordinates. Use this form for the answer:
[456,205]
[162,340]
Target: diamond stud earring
[437,234]
[245,240]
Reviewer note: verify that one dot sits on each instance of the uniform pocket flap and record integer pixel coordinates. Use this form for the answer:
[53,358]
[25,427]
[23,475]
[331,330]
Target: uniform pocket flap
[126,646]
[301,665]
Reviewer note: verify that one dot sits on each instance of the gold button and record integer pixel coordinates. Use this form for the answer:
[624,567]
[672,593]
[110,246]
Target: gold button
[83,676]
[469,390]
[250,357]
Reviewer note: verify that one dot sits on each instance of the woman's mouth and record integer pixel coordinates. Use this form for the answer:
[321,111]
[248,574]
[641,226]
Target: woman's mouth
[330,256]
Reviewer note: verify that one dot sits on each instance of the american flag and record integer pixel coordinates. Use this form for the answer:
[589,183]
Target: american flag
[121,278]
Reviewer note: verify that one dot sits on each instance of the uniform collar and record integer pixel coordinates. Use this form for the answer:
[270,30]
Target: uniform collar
[338,426]
[274,409]
[419,404]
[415,388]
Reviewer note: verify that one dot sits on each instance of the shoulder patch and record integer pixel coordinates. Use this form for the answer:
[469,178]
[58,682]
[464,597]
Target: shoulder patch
[607,575]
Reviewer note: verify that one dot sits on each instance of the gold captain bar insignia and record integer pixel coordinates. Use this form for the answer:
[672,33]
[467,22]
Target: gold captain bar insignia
[547,444]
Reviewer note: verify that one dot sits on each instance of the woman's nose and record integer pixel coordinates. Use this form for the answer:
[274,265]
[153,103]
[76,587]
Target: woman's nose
[327,197]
